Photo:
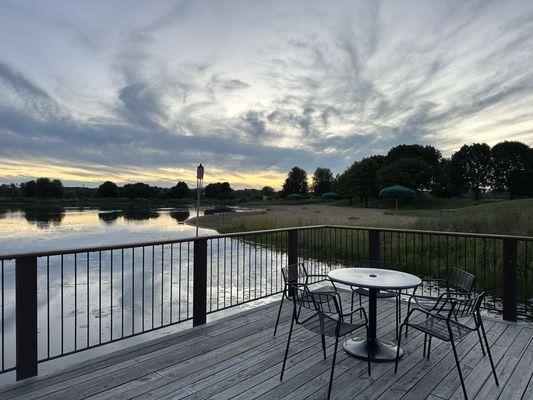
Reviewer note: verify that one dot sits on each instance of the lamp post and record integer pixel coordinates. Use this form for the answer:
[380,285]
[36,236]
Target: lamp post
[199,180]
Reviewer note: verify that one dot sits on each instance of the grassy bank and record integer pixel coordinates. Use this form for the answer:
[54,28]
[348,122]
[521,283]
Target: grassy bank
[505,217]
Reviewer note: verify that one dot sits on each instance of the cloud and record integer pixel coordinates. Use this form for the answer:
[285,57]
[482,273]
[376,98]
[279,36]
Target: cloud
[248,88]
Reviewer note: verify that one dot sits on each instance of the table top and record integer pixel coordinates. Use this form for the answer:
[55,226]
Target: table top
[374,278]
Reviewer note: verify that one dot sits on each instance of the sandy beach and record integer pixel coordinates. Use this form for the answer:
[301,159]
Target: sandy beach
[300,214]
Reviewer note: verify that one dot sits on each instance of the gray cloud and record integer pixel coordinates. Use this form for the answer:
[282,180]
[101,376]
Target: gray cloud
[254,88]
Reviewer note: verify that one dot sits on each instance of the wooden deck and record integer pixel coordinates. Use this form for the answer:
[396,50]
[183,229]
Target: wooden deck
[237,357]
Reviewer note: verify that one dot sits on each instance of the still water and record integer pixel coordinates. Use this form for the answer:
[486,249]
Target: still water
[99,297]
[49,228]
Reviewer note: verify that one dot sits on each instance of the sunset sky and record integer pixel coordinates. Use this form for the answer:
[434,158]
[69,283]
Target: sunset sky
[144,91]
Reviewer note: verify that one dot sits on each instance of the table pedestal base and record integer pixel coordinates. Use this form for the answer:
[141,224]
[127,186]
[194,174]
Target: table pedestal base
[378,350]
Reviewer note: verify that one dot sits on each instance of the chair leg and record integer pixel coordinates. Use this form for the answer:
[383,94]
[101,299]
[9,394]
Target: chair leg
[458,366]
[323,345]
[408,309]
[287,348]
[360,305]
[429,347]
[398,348]
[480,341]
[333,366]
[489,354]
[279,313]
[351,309]
[425,344]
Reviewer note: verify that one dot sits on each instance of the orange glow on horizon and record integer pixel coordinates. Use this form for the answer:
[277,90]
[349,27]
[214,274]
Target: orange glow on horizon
[94,174]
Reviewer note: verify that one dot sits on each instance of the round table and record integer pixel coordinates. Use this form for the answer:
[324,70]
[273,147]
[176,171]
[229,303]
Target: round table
[373,279]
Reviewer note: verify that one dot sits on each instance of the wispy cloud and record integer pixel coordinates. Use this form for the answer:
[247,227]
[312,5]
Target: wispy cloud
[135,92]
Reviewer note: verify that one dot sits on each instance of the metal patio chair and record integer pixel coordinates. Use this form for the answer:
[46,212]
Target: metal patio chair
[382,293]
[459,285]
[297,273]
[450,326]
[325,318]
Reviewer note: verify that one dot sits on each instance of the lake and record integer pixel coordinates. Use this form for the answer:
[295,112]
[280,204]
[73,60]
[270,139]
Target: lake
[99,297]
[25,229]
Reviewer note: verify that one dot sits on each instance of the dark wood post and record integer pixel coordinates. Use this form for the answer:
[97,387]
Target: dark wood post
[509,279]
[26,316]
[199,285]
[292,255]
[373,245]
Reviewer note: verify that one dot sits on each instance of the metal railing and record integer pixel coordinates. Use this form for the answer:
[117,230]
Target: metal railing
[62,302]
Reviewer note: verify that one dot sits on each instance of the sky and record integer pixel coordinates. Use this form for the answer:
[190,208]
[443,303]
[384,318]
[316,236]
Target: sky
[144,91]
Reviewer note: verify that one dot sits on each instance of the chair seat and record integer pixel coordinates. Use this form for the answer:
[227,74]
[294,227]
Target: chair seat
[330,324]
[381,294]
[438,327]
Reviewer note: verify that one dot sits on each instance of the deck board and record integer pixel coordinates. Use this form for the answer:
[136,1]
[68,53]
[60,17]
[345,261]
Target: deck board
[238,357]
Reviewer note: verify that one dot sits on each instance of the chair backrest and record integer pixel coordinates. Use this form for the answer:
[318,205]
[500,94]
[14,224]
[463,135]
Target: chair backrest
[467,307]
[460,281]
[378,264]
[294,273]
[322,302]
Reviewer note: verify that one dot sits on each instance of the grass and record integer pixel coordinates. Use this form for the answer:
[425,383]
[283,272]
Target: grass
[511,217]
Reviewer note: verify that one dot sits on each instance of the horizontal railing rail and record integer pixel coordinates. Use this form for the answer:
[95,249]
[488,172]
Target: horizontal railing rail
[59,302]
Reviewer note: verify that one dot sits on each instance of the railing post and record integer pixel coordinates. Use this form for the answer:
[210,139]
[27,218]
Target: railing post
[292,255]
[26,316]
[373,245]
[509,279]
[199,285]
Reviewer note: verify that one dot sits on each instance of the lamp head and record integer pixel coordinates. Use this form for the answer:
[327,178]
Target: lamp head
[200,172]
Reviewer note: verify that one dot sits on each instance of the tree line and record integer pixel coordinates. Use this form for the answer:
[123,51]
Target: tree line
[507,167]
[46,188]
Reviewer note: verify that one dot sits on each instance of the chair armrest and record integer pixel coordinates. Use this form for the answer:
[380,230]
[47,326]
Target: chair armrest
[360,309]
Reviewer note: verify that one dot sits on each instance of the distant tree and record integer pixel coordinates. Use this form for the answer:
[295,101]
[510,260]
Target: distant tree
[43,188]
[108,189]
[443,182]
[219,190]
[471,168]
[139,190]
[267,191]
[295,183]
[28,189]
[10,190]
[360,179]
[413,173]
[322,181]
[513,168]
[180,191]
[428,154]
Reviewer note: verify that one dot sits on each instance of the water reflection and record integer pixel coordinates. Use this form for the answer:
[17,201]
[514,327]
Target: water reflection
[180,215]
[45,217]
[109,216]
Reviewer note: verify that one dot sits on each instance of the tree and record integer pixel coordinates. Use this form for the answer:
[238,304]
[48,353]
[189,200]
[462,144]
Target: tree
[218,190]
[413,173]
[322,181]
[43,188]
[360,179]
[471,168]
[443,182]
[267,191]
[108,189]
[180,191]
[428,154]
[513,168]
[139,190]
[296,182]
